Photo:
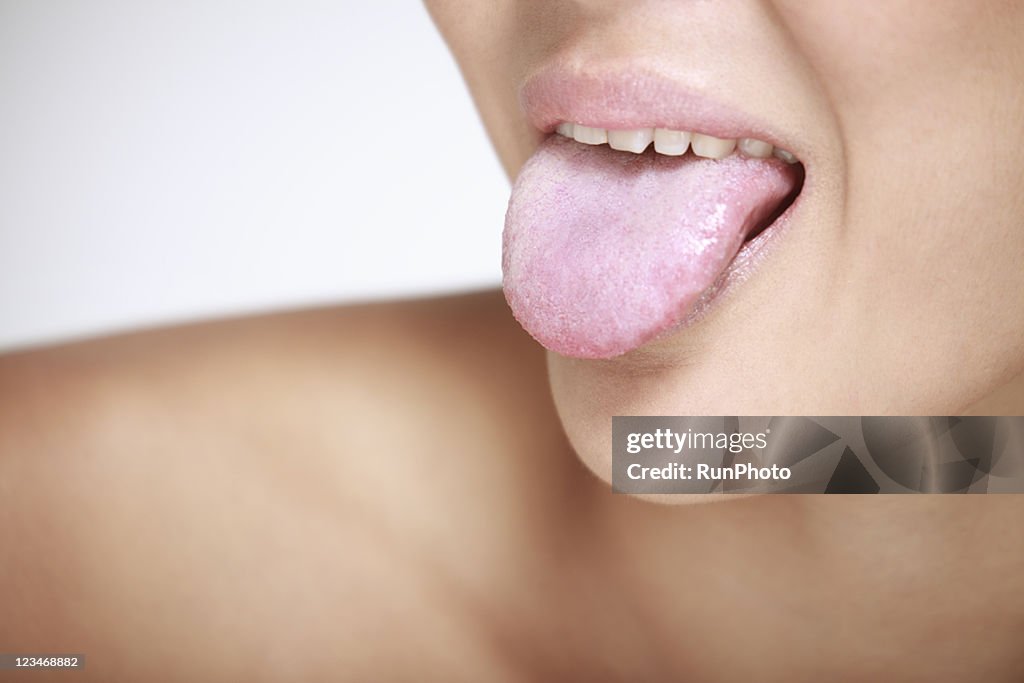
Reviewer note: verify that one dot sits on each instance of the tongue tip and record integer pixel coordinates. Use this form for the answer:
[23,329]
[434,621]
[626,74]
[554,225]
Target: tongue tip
[585,350]
[583,341]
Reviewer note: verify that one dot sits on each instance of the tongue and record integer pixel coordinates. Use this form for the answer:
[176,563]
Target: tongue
[604,250]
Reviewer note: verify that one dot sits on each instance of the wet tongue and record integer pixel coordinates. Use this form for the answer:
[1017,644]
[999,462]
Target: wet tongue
[604,250]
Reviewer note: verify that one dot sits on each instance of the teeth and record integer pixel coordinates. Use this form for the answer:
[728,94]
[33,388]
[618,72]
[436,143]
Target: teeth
[635,141]
[785,156]
[755,148]
[712,147]
[672,142]
[588,135]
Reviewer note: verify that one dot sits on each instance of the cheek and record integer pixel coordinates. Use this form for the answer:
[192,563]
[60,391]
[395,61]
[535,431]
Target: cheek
[494,43]
[925,70]
[928,100]
[859,46]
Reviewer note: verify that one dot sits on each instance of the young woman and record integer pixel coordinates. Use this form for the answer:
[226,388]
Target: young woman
[407,491]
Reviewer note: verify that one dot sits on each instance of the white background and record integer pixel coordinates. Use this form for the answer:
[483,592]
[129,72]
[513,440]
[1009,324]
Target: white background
[168,161]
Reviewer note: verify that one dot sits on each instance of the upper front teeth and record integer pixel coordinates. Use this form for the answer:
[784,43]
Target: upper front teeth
[756,148]
[711,147]
[590,136]
[630,140]
[671,142]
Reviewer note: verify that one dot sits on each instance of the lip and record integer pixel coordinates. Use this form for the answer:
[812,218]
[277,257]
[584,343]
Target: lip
[630,97]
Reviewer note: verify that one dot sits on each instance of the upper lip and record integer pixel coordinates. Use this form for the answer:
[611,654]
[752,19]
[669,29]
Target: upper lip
[635,96]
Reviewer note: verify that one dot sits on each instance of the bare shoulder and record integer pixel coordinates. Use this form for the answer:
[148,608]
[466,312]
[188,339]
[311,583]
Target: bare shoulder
[456,353]
[218,486]
[403,375]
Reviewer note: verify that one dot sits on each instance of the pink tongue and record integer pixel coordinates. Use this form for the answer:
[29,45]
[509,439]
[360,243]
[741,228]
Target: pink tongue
[603,250]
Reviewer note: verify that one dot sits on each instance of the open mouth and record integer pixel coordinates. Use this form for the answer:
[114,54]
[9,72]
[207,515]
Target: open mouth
[615,237]
[675,143]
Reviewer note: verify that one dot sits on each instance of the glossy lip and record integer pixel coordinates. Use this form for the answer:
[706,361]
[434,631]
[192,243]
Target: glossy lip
[629,98]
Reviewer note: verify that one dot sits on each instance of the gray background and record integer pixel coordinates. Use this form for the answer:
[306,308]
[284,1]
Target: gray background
[164,161]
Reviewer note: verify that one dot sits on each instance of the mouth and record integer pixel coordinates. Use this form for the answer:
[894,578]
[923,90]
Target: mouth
[642,205]
[677,143]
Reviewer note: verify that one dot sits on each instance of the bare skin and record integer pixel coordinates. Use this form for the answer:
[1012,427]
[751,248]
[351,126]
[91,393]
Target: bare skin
[388,493]
[385,493]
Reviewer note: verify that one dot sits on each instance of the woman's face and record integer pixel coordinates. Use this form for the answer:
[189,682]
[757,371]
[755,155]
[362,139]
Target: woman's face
[895,285]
